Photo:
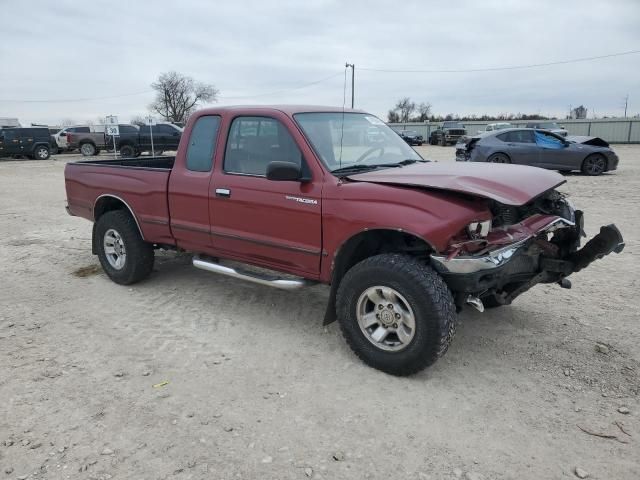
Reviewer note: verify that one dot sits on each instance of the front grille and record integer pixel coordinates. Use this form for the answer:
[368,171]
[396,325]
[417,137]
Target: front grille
[456,132]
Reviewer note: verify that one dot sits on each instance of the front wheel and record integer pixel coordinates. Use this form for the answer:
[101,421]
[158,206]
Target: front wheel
[396,313]
[125,257]
[594,164]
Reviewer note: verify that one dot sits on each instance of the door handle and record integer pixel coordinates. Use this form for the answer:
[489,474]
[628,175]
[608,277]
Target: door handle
[223,192]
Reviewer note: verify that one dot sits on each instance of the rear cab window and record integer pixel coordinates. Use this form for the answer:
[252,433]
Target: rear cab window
[202,142]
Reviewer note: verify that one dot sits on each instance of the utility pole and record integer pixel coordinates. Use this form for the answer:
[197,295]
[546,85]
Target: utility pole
[353,72]
[626,103]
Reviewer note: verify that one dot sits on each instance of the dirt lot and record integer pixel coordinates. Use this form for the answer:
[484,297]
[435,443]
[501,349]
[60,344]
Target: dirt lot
[192,375]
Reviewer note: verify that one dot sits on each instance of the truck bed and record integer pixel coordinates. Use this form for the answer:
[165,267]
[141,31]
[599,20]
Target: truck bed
[140,183]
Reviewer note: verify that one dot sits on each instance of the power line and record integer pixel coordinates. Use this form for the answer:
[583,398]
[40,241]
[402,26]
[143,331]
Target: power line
[315,82]
[286,90]
[511,67]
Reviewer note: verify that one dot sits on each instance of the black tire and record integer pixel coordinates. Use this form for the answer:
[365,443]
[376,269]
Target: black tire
[41,152]
[88,149]
[595,164]
[139,256]
[426,294]
[565,172]
[127,151]
[499,158]
[443,142]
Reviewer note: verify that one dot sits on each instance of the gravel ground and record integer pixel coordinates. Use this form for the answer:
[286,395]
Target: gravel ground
[189,375]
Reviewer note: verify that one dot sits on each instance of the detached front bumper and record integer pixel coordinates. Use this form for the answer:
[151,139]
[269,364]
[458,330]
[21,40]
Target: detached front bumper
[506,271]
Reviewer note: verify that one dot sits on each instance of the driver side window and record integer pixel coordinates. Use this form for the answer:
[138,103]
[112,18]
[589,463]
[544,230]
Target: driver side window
[254,142]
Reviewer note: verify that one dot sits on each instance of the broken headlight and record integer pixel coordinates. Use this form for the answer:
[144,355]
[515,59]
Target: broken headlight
[479,229]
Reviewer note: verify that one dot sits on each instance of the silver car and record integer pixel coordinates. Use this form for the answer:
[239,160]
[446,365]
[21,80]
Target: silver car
[539,148]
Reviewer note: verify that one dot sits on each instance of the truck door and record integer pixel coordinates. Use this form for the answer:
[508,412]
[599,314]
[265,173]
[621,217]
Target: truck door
[188,190]
[273,223]
[145,139]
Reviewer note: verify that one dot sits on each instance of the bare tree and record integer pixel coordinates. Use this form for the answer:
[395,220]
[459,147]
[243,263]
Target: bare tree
[405,108]
[393,117]
[139,120]
[67,122]
[178,95]
[424,112]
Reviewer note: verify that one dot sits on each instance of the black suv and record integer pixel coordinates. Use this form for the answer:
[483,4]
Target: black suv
[447,133]
[34,142]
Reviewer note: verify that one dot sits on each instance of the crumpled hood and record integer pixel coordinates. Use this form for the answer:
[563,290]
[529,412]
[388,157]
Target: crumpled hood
[585,140]
[507,184]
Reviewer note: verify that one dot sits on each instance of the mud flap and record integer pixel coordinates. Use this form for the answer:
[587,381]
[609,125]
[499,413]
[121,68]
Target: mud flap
[94,245]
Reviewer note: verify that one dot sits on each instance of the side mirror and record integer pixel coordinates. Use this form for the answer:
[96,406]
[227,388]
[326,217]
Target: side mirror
[63,134]
[283,171]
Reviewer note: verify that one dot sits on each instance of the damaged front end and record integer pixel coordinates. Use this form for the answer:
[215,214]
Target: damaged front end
[523,246]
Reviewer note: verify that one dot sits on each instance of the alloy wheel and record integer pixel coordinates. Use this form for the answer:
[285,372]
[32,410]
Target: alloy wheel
[385,318]
[114,249]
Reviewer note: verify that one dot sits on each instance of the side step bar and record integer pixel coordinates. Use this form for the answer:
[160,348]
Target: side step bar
[262,279]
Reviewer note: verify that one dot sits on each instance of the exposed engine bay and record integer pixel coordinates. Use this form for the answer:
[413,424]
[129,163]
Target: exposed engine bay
[497,260]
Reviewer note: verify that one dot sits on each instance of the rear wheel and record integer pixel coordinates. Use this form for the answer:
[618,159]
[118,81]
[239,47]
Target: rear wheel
[41,153]
[125,257]
[396,313]
[88,149]
[127,151]
[594,164]
[499,158]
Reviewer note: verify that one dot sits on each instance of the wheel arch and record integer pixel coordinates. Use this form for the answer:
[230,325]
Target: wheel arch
[365,244]
[500,152]
[108,202]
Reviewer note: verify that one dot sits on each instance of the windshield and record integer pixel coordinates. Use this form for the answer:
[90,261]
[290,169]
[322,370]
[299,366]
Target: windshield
[344,139]
[452,125]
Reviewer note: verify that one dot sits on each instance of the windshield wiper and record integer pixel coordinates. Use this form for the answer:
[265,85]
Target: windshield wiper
[361,167]
[409,161]
[356,168]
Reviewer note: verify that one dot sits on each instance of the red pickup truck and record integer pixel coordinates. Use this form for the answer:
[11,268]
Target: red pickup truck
[305,195]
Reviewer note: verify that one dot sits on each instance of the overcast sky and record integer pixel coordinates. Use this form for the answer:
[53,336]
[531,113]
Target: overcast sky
[69,50]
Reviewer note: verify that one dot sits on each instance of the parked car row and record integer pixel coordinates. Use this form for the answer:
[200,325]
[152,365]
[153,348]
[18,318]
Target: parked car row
[132,141]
